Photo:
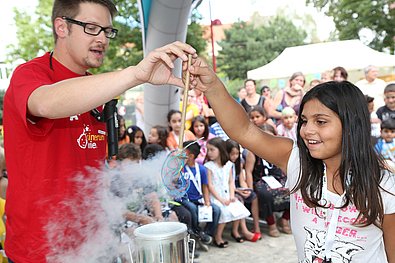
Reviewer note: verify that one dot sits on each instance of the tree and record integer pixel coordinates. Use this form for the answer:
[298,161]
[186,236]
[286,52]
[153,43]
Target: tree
[127,48]
[34,35]
[195,34]
[354,18]
[247,46]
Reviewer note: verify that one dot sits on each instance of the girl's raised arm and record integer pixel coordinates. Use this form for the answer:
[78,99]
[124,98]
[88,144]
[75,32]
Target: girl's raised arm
[234,120]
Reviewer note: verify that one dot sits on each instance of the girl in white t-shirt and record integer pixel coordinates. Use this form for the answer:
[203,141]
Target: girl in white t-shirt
[342,193]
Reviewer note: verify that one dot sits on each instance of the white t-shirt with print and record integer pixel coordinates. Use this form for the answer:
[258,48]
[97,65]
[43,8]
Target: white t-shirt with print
[352,243]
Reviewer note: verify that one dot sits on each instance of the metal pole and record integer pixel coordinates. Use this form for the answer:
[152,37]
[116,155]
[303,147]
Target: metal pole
[212,41]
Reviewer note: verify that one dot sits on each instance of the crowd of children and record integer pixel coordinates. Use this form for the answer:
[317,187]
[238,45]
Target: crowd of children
[229,183]
[342,202]
[225,173]
[220,186]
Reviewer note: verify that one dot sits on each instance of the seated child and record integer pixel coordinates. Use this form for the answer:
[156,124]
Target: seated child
[158,135]
[174,121]
[386,144]
[222,187]
[287,127]
[3,175]
[271,198]
[388,110]
[374,120]
[136,136]
[146,207]
[201,130]
[198,193]
[244,194]
[152,151]
[259,116]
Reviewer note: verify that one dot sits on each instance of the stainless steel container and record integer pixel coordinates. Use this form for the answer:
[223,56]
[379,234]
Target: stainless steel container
[163,242]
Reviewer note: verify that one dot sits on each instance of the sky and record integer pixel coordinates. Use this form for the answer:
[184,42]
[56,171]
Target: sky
[227,11]
[243,9]
[8,35]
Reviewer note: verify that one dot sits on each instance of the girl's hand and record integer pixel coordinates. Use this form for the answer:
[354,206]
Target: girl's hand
[225,202]
[202,76]
[157,67]
[245,193]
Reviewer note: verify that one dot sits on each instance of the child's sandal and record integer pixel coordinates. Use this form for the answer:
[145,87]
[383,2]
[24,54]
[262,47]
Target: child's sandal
[286,230]
[257,236]
[238,239]
[274,232]
[221,245]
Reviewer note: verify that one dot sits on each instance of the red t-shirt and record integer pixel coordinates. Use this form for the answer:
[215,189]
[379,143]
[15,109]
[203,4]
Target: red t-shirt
[42,157]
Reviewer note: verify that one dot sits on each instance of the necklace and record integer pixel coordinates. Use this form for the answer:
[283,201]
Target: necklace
[332,223]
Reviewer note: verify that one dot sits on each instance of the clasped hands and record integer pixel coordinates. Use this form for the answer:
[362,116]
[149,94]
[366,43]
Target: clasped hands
[157,67]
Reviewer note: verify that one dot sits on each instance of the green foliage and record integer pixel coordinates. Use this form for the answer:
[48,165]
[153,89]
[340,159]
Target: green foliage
[351,16]
[127,48]
[195,34]
[34,34]
[233,85]
[247,46]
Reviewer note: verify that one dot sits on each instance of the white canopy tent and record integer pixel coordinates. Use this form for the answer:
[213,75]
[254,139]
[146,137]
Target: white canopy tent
[317,58]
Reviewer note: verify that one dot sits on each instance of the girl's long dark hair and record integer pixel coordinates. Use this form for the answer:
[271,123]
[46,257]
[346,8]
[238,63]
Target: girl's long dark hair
[230,144]
[169,115]
[121,122]
[358,155]
[162,135]
[131,132]
[220,145]
[201,119]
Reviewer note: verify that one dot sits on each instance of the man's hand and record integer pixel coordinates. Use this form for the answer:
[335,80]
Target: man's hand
[157,67]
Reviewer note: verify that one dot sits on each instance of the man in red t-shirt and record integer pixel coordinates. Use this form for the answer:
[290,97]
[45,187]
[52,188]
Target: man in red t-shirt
[49,134]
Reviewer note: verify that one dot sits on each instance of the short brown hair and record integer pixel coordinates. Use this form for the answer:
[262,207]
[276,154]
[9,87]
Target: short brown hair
[129,151]
[71,8]
[343,72]
[389,88]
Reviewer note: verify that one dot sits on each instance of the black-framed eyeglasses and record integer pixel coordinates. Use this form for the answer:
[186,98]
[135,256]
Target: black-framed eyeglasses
[93,29]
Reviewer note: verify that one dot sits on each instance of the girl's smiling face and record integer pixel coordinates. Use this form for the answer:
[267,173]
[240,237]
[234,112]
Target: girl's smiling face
[321,131]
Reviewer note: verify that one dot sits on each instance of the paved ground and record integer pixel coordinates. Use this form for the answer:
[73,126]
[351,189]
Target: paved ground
[281,249]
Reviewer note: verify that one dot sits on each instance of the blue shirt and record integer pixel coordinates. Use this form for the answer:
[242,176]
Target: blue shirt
[192,193]
[386,149]
[218,131]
